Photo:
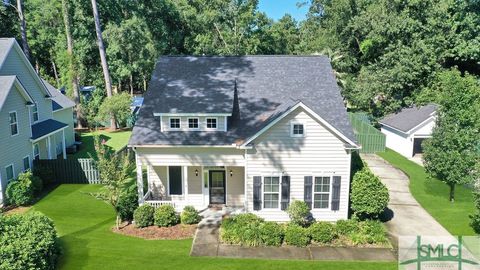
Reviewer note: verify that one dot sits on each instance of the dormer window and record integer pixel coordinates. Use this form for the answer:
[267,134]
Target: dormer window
[297,130]
[35,113]
[193,123]
[212,123]
[175,123]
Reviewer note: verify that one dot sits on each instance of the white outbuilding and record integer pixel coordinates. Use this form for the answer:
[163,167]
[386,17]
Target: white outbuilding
[406,129]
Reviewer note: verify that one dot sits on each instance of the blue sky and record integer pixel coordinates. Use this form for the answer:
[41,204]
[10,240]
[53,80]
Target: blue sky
[275,9]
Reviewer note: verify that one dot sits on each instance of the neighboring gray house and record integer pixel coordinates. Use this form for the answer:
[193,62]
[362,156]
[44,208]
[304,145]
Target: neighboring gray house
[406,130]
[252,132]
[32,125]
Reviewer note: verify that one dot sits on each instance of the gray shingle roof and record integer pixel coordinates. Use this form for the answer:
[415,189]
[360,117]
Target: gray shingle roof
[6,83]
[5,45]
[409,118]
[267,86]
[59,100]
[45,127]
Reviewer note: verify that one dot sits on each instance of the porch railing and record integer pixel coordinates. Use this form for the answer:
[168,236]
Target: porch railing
[157,203]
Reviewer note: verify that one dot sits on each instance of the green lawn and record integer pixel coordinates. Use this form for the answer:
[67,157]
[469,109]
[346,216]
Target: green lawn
[116,140]
[433,195]
[84,226]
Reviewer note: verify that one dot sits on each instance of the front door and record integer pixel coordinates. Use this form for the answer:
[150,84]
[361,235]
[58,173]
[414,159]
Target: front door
[217,187]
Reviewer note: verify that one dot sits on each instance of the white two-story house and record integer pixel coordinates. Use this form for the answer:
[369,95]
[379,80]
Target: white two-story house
[36,120]
[253,132]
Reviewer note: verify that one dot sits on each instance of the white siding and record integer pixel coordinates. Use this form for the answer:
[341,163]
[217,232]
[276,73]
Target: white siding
[319,153]
[191,156]
[235,186]
[425,129]
[165,122]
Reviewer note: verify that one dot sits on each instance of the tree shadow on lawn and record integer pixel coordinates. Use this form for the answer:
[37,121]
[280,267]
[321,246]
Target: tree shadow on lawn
[87,149]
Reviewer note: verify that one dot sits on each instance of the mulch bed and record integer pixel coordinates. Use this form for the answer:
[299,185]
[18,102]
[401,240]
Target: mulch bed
[176,232]
[10,210]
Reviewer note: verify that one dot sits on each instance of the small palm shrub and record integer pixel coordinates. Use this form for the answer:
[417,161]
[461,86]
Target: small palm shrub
[143,216]
[322,232]
[190,215]
[20,192]
[299,213]
[369,196]
[296,235]
[165,216]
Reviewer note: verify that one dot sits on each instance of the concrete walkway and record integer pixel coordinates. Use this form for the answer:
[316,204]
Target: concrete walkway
[408,218]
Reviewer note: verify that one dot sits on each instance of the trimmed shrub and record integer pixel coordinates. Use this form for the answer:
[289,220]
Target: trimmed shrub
[243,229]
[190,215]
[45,173]
[296,235]
[299,213]
[346,226]
[28,241]
[322,232]
[37,185]
[475,222]
[126,205]
[369,232]
[19,192]
[165,216]
[271,233]
[143,216]
[369,196]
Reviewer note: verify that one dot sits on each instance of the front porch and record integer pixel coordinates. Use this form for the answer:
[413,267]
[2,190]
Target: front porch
[198,186]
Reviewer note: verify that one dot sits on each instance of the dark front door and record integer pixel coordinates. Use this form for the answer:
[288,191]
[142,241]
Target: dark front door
[217,187]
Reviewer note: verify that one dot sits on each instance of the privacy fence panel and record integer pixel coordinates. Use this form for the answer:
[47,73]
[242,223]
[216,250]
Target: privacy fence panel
[71,171]
[371,139]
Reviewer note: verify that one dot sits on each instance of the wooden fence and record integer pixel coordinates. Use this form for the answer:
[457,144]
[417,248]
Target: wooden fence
[371,139]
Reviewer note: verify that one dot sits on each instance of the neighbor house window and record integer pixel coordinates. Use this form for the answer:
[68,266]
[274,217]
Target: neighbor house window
[9,172]
[26,163]
[175,123]
[297,130]
[193,123]
[271,191]
[321,192]
[175,180]
[212,123]
[13,123]
[35,113]
[36,152]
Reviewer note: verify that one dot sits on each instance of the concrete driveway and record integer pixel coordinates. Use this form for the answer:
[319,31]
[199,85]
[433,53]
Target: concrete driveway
[408,218]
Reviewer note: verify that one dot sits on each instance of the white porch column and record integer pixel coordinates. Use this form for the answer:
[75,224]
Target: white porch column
[185,182]
[64,147]
[49,147]
[139,180]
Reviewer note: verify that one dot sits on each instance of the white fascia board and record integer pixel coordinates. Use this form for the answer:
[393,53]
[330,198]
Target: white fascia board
[46,135]
[191,114]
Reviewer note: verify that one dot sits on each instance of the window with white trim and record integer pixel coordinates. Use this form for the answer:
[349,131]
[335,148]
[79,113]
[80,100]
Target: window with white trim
[9,172]
[26,163]
[35,113]
[212,123]
[321,192]
[193,123]
[297,130]
[174,123]
[271,192]
[36,152]
[12,119]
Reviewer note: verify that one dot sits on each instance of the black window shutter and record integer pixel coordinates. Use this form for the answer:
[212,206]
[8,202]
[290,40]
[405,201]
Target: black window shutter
[257,192]
[308,191]
[336,193]
[285,191]
[175,180]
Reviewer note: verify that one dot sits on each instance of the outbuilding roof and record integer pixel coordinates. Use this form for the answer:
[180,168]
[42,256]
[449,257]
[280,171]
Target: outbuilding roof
[264,87]
[409,118]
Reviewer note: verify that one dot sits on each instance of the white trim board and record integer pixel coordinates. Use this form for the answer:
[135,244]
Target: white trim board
[191,114]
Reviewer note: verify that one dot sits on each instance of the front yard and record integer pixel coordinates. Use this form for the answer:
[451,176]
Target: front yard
[84,227]
[432,195]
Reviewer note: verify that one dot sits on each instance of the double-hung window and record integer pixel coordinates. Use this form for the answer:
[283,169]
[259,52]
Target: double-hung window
[211,123]
[35,113]
[193,123]
[9,172]
[175,123]
[13,123]
[271,192]
[26,163]
[36,152]
[321,192]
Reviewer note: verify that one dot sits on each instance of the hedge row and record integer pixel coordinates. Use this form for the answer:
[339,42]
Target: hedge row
[164,216]
[251,230]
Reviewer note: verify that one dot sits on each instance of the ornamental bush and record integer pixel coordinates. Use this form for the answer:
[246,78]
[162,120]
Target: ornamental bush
[45,173]
[299,213]
[322,232]
[126,205]
[346,226]
[271,233]
[143,216]
[296,235]
[190,215]
[37,185]
[369,196]
[369,232]
[20,192]
[165,216]
[243,229]
[28,241]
